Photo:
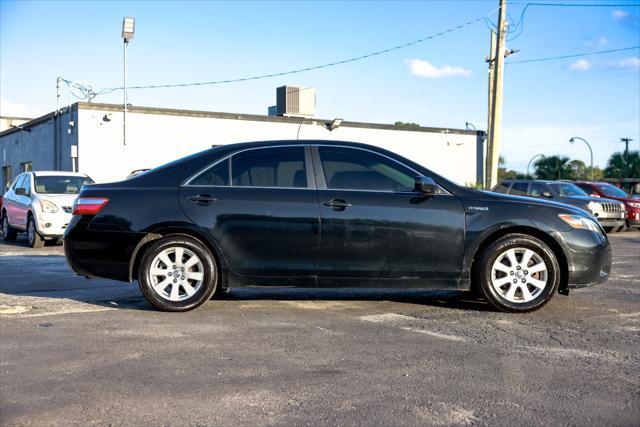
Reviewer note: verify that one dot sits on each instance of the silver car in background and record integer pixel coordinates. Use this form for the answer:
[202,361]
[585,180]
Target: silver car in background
[40,204]
[610,213]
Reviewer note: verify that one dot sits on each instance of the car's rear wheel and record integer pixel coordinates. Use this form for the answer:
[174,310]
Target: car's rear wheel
[178,273]
[35,240]
[9,234]
[518,273]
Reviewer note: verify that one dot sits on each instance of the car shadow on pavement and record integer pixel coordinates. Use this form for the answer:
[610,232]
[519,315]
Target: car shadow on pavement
[446,299]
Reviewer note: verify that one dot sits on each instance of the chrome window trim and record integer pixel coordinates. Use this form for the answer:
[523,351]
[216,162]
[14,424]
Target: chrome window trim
[187,182]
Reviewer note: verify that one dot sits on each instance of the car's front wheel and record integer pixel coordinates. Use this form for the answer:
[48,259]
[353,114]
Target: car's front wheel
[35,240]
[178,273]
[518,273]
[9,234]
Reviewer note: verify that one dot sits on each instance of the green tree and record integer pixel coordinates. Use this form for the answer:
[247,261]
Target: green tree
[617,167]
[407,125]
[553,167]
[504,173]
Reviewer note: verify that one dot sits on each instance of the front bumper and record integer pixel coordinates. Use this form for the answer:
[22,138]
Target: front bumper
[633,218]
[588,257]
[52,225]
[611,219]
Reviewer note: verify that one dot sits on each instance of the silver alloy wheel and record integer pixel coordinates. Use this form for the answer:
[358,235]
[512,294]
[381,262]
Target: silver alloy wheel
[176,273]
[31,232]
[519,275]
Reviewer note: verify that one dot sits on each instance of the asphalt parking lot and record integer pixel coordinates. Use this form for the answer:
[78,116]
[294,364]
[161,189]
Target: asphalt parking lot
[79,352]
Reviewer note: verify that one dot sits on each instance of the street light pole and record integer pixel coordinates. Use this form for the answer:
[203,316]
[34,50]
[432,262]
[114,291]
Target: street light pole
[531,160]
[128,28]
[572,140]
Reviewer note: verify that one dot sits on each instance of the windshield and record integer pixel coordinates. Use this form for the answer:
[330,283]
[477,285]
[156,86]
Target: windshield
[61,184]
[567,189]
[612,191]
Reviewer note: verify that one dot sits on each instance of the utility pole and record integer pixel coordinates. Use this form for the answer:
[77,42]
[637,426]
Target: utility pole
[490,59]
[626,155]
[496,97]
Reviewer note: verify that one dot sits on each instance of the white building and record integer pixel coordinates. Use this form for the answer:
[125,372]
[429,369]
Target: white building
[88,137]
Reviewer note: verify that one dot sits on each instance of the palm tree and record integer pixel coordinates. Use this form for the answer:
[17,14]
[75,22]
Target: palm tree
[618,168]
[553,167]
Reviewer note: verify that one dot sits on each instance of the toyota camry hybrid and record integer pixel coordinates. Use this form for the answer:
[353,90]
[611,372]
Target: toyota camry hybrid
[326,214]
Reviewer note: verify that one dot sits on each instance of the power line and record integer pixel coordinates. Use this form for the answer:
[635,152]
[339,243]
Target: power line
[289,72]
[553,58]
[518,28]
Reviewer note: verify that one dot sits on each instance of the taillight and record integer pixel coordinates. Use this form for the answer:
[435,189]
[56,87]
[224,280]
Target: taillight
[89,205]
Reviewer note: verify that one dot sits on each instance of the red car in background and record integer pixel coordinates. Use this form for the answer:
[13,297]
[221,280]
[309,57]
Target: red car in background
[604,189]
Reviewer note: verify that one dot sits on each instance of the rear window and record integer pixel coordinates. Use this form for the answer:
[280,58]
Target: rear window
[60,184]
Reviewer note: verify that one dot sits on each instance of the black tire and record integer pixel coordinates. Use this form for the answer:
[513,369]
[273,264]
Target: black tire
[483,273]
[622,228]
[35,240]
[609,229]
[9,234]
[209,269]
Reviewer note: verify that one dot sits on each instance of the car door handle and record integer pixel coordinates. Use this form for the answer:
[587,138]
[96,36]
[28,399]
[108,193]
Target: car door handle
[337,204]
[202,199]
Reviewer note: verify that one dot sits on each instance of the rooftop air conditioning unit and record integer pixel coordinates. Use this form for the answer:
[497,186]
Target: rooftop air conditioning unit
[296,101]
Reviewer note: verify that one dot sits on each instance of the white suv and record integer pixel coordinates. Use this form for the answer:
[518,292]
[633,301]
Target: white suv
[41,204]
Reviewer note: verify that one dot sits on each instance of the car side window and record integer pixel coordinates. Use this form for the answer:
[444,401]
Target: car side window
[539,190]
[502,188]
[353,169]
[18,183]
[215,175]
[27,184]
[270,167]
[519,188]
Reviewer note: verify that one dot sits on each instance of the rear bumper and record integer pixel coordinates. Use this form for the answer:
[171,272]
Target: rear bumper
[99,254]
[588,257]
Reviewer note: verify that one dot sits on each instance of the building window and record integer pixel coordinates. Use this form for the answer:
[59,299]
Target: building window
[26,167]
[6,178]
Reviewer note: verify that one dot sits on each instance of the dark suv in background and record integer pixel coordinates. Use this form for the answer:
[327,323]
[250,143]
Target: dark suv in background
[610,191]
[610,213]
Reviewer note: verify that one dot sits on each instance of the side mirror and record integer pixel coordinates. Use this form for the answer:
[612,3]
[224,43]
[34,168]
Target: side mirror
[21,191]
[426,186]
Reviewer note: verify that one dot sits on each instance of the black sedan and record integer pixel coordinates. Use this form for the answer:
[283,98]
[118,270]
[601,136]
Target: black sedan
[326,214]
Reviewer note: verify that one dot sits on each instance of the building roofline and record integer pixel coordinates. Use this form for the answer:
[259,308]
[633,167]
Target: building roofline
[238,116]
[15,118]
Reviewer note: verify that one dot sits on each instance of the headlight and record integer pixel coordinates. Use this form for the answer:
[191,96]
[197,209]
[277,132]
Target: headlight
[594,206]
[577,221]
[634,205]
[48,207]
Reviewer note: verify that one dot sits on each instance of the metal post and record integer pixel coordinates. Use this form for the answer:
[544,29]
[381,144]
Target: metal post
[531,160]
[590,151]
[124,110]
[490,60]
[496,107]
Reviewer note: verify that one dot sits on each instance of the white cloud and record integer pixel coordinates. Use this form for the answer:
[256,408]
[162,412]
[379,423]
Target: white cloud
[425,69]
[619,15]
[632,63]
[14,109]
[580,65]
[601,42]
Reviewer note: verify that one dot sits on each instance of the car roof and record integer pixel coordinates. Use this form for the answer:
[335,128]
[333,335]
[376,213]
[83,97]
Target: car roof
[58,173]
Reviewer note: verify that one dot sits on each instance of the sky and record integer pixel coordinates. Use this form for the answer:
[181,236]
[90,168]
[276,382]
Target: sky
[440,82]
